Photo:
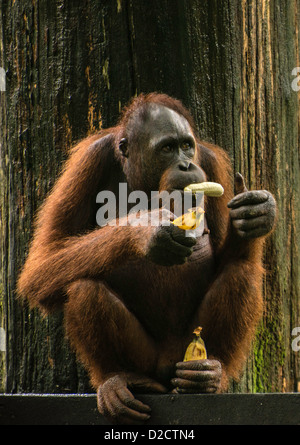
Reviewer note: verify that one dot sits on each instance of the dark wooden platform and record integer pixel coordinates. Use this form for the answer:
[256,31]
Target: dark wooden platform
[169,409]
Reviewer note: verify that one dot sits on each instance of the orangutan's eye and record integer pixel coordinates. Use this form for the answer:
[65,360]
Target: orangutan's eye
[167,149]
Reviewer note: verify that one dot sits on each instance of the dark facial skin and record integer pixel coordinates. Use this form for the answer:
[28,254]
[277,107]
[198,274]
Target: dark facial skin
[165,142]
[171,144]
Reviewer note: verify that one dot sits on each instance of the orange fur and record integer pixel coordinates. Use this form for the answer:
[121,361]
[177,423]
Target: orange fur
[145,323]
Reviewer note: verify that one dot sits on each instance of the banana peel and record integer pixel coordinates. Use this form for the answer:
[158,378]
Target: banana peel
[191,220]
[196,349]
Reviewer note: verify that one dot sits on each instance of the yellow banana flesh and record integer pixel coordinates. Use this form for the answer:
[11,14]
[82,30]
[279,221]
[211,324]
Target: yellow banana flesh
[191,220]
[196,349]
[208,188]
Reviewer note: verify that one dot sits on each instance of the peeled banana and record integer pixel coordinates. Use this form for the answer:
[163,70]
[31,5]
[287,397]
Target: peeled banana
[196,349]
[208,188]
[191,220]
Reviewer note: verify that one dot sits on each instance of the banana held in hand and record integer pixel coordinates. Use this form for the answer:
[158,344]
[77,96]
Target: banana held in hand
[208,188]
[196,350]
[191,220]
